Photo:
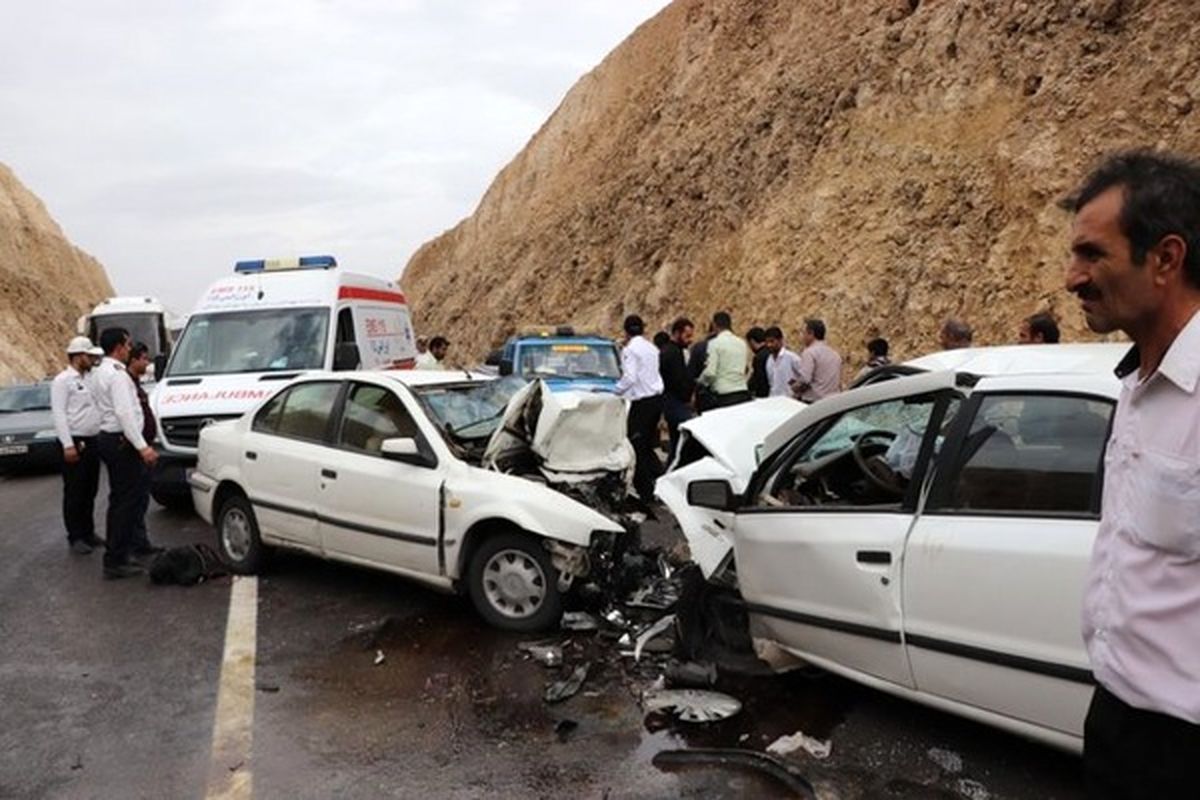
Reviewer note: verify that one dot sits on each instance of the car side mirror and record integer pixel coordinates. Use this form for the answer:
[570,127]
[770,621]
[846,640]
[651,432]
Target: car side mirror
[160,366]
[406,450]
[345,356]
[713,494]
[493,359]
[506,366]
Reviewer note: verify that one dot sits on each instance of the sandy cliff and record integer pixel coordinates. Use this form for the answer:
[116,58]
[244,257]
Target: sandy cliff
[880,164]
[45,284]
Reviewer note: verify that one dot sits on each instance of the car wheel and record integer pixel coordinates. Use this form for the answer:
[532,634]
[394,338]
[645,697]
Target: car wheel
[237,536]
[513,583]
[173,501]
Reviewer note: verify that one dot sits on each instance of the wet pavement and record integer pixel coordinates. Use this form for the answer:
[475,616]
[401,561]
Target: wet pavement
[108,689]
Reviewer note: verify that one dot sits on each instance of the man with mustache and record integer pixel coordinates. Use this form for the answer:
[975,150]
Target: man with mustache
[1135,266]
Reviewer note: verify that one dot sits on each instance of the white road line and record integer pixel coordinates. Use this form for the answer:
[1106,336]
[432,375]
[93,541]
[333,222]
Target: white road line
[229,773]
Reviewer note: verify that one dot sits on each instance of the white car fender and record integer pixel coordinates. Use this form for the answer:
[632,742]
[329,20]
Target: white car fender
[473,495]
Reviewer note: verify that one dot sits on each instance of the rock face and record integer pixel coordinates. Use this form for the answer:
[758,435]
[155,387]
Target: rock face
[883,165]
[45,284]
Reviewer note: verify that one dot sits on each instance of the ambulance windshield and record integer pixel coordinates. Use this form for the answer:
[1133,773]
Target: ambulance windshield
[267,340]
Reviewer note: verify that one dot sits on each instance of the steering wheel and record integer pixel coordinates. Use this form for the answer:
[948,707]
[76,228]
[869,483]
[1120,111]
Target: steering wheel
[873,468]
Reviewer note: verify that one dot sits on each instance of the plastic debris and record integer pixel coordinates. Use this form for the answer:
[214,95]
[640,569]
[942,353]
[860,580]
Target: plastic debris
[691,674]
[656,629]
[547,654]
[616,618]
[948,760]
[817,748]
[693,705]
[579,621]
[785,773]
[973,790]
[660,595]
[558,691]
[379,657]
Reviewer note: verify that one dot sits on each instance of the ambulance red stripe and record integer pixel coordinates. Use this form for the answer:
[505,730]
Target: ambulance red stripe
[379,295]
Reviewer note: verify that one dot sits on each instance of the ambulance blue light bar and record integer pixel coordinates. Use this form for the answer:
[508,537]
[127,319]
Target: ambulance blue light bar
[280,264]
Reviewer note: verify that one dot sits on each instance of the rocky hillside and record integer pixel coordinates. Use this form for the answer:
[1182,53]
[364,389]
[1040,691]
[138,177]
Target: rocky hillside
[883,164]
[45,284]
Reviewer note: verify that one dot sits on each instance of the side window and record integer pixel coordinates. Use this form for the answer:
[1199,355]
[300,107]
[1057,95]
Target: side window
[345,350]
[865,457]
[373,414]
[1032,453]
[307,409]
[267,418]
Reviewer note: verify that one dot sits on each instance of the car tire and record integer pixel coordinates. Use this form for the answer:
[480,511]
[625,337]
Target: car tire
[173,501]
[237,536]
[513,583]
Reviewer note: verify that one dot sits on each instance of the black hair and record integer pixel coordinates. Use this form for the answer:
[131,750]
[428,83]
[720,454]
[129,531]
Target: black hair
[774,332]
[756,335]
[112,338]
[661,339]
[722,320]
[438,341]
[138,350]
[816,327]
[878,347]
[634,325]
[1045,325]
[1161,196]
[680,325]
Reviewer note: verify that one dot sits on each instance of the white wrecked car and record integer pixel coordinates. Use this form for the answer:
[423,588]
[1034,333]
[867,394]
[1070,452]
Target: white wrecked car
[386,470]
[926,535]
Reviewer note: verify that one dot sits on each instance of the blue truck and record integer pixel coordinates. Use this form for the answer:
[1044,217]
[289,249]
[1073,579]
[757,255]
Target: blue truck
[561,358]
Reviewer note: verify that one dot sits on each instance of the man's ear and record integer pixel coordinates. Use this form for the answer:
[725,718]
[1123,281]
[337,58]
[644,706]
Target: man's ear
[1169,255]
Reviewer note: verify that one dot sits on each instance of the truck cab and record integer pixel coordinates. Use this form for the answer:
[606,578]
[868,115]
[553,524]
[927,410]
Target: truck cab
[561,358]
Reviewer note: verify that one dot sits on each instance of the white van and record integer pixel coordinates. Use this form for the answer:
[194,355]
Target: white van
[146,319]
[253,332]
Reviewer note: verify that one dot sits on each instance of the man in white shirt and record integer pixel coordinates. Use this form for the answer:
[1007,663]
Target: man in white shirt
[641,383]
[123,449]
[1135,266]
[783,366]
[434,357]
[76,423]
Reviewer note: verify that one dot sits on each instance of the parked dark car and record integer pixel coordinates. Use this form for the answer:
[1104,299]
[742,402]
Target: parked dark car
[27,438]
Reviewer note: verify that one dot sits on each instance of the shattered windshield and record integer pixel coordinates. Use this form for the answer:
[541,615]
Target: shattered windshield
[569,361]
[469,410]
[25,398]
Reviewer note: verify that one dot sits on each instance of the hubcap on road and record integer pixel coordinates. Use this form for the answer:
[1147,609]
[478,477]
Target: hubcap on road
[514,583]
[235,534]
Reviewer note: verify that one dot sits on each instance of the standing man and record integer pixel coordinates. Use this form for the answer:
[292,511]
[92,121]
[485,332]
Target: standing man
[678,384]
[76,423]
[425,359]
[820,365]
[642,385]
[1038,329]
[727,365]
[435,357]
[123,449]
[697,361]
[1135,266]
[877,356]
[760,382]
[139,362]
[955,335]
[783,366]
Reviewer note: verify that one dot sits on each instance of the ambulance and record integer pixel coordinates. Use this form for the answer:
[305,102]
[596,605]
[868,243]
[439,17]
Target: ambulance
[252,332]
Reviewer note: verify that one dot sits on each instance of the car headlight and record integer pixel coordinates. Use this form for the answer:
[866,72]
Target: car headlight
[46,434]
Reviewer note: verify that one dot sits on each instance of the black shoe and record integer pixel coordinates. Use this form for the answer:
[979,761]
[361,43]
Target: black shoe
[123,571]
[147,552]
[80,547]
[95,541]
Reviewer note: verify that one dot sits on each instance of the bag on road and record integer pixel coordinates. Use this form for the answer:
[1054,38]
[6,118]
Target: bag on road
[187,565]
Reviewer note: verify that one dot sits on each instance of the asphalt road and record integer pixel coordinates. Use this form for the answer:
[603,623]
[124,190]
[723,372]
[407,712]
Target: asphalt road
[109,689]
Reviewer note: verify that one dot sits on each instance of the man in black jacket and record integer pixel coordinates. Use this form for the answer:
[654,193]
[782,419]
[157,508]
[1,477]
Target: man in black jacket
[759,383]
[678,383]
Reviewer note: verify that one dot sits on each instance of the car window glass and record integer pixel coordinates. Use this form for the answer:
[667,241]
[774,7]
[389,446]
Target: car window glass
[1032,453]
[306,410]
[267,418]
[373,414]
[866,457]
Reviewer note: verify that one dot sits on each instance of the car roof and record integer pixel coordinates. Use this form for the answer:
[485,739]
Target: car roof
[1026,359]
[423,377]
[562,340]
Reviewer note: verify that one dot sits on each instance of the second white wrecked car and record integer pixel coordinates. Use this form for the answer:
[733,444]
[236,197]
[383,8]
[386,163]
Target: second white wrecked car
[386,470]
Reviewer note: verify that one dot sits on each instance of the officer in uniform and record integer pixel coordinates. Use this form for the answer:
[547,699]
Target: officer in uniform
[77,423]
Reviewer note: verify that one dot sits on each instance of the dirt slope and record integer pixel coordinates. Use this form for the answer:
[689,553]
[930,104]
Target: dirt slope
[45,284]
[880,164]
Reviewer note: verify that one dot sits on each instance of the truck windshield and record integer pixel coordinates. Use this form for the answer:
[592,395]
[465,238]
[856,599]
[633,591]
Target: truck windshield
[251,341]
[142,327]
[568,360]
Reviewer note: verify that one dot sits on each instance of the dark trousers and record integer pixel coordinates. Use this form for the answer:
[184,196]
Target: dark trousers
[642,426]
[141,539]
[1132,753]
[676,412]
[125,468]
[732,399]
[80,482]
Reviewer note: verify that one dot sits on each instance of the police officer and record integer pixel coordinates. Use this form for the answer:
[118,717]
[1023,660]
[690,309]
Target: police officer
[77,423]
[123,449]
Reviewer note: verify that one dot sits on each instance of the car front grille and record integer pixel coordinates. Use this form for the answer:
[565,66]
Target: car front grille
[185,431]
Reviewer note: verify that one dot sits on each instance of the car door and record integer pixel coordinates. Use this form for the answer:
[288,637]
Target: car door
[281,460]
[818,549]
[374,509]
[994,570]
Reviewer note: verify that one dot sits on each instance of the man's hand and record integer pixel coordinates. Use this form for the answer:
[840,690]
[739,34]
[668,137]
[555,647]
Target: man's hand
[71,455]
[149,456]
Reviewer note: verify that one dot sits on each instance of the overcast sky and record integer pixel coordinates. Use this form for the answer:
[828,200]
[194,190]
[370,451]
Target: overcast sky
[170,138]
